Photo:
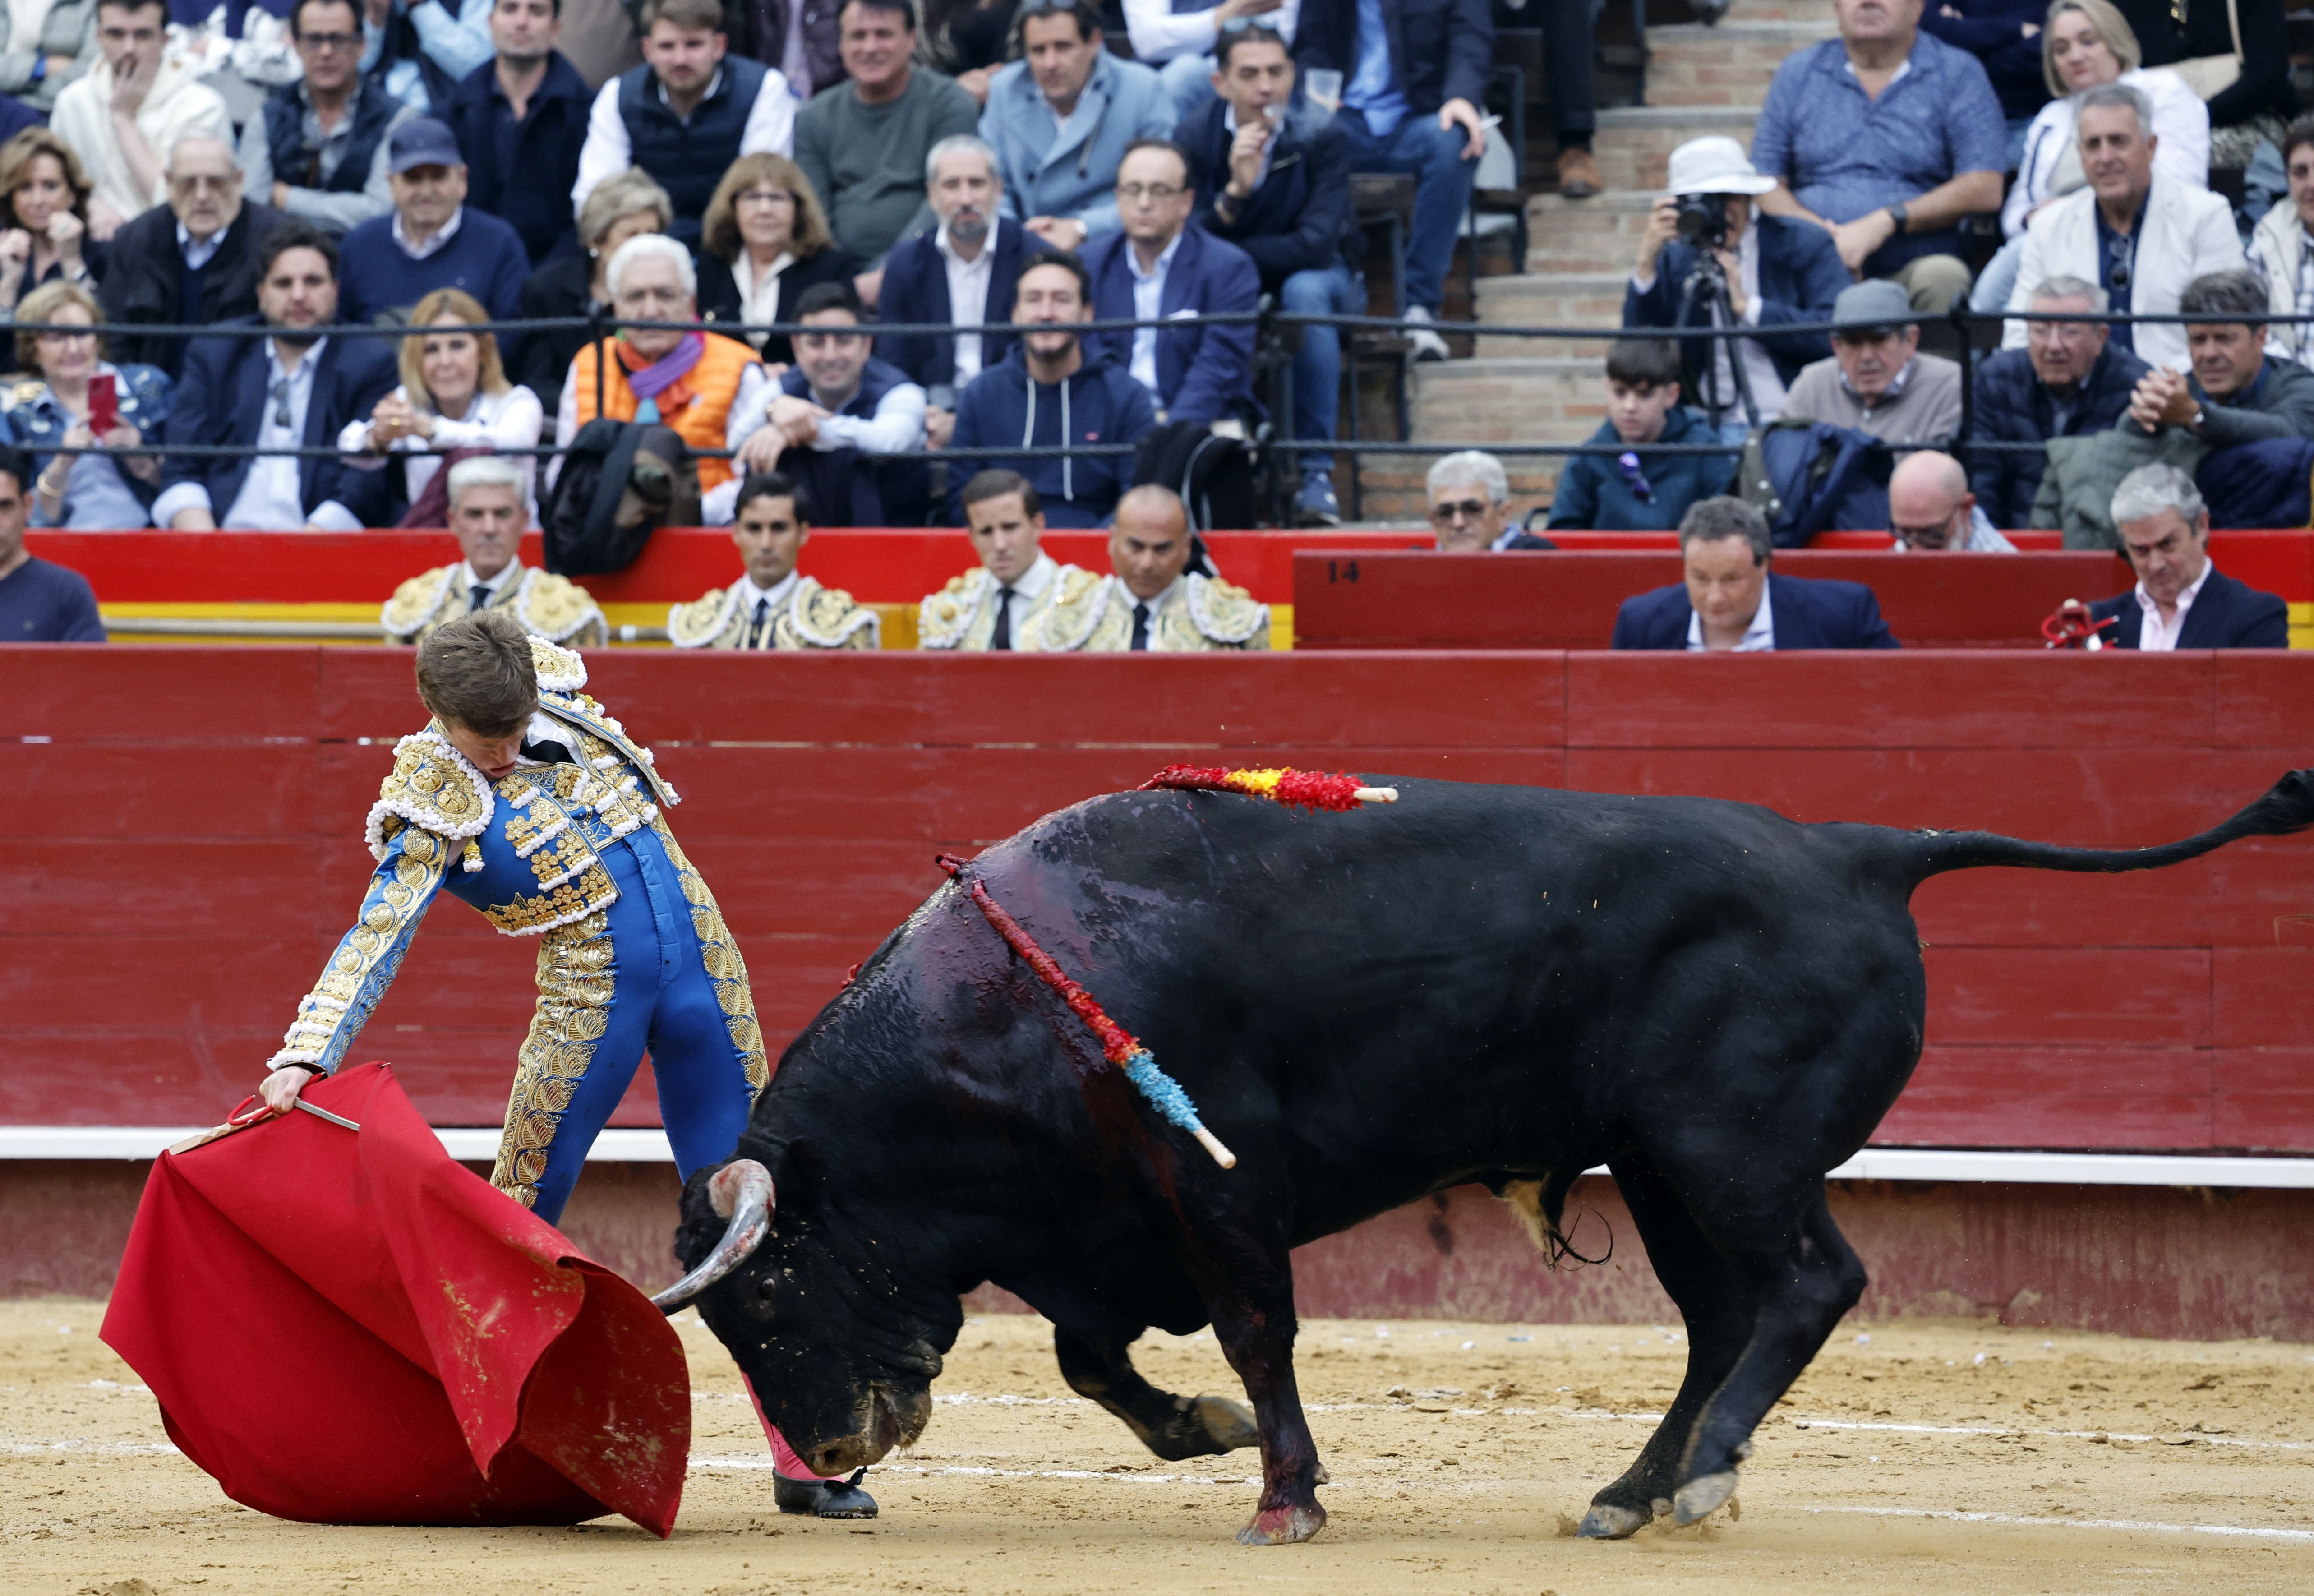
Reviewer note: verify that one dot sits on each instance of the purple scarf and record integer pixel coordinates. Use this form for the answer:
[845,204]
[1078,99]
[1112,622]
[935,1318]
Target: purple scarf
[664,373]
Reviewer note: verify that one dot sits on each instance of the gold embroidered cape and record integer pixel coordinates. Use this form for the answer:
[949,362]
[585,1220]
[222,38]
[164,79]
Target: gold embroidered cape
[547,605]
[813,617]
[1199,615]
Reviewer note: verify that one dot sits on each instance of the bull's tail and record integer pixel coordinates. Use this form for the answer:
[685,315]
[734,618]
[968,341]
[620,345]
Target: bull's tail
[2287,807]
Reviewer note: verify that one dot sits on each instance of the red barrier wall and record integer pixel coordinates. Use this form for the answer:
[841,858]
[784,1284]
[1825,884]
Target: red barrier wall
[185,845]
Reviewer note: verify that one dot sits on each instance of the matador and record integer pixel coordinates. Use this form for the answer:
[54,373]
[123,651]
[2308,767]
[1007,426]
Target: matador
[524,798]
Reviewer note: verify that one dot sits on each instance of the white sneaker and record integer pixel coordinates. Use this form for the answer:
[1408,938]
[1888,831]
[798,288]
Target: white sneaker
[1427,345]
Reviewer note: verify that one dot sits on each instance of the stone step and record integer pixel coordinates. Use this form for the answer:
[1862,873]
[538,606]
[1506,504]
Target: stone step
[1634,143]
[1818,11]
[1600,233]
[1728,65]
[1563,299]
[1498,400]
[1391,486]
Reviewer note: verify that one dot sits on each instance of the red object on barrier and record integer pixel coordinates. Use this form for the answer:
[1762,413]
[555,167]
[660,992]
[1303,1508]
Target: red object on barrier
[345,1326]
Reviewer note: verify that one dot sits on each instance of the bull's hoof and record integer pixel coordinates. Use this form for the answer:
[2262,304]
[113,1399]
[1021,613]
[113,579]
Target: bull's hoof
[1227,1424]
[1702,1496]
[1283,1526]
[1608,1521]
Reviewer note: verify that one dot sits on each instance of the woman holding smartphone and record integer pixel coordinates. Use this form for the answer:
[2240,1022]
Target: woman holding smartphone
[454,395]
[81,400]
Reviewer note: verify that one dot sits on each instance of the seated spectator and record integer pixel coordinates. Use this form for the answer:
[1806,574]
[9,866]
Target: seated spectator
[627,206]
[765,242]
[2281,252]
[962,272]
[454,395]
[1414,73]
[319,152]
[798,39]
[433,240]
[1778,272]
[1152,603]
[124,115]
[296,389]
[700,384]
[2181,600]
[1182,39]
[2084,46]
[2068,380]
[51,417]
[192,261]
[686,114]
[1161,267]
[2131,231]
[862,145]
[1465,525]
[243,52]
[1731,603]
[2005,38]
[967,40]
[1275,181]
[834,419]
[1929,507]
[1635,490]
[1051,389]
[44,202]
[486,500]
[1887,138]
[990,605]
[2235,395]
[1877,380]
[39,602]
[520,118]
[2236,57]
[770,606]
[1060,118]
[42,53]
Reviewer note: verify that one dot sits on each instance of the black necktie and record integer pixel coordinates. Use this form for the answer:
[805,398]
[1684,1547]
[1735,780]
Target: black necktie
[547,750]
[1001,638]
[756,627]
[477,597]
[1140,629]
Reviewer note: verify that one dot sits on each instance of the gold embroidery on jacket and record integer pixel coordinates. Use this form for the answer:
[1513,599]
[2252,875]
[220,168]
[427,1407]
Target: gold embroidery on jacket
[726,970]
[577,979]
[592,889]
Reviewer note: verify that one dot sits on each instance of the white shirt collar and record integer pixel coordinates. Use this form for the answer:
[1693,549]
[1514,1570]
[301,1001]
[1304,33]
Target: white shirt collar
[982,261]
[468,581]
[1758,636]
[420,251]
[713,84]
[1155,274]
[1035,579]
[2153,636]
[779,593]
[1155,604]
[199,252]
[1895,391]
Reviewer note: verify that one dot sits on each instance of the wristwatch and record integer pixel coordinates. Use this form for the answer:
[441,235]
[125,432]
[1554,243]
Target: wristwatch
[1898,214]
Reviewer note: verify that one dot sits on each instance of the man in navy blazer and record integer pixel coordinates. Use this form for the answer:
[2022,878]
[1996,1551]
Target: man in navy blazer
[1731,603]
[1160,266]
[2181,600]
[298,388]
[974,256]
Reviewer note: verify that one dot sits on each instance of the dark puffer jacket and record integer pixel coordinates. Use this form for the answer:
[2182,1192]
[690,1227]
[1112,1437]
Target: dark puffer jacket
[2013,406]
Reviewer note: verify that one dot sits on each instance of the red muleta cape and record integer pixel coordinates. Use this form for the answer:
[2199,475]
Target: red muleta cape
[350,1328]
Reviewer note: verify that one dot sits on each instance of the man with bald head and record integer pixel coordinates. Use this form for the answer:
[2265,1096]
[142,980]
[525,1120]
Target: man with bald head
[1152,602]
[192,262]
[1931,507]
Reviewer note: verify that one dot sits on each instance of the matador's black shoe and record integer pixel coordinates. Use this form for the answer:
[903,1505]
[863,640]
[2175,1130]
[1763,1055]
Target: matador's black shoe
[824,1499]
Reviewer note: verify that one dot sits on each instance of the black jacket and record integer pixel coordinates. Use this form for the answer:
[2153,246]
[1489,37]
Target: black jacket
[534,194]
[2013,406]
[1301,217]
[539,361]
[1439,49]
[2226,615]
[143,280]
[1807,611]
[1800,277]
[719,293]
[915,290]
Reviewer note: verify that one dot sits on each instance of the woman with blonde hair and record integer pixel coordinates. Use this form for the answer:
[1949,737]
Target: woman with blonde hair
[764,240]
[626,205]
[52,415]
[43,216]
[2087,44]
[453,396]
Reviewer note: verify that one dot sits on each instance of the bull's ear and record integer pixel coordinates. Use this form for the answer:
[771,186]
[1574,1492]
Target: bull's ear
[802,1173]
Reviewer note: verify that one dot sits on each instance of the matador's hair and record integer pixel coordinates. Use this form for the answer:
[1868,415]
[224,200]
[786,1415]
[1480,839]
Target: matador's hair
[476,672]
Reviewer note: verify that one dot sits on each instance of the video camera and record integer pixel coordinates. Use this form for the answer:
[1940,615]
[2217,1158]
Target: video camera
[1703,220]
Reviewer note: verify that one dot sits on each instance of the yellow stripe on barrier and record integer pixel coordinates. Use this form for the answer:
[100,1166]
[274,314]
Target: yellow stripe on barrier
[2301,626]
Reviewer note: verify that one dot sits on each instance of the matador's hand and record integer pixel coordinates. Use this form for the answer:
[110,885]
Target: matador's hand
[279,1092]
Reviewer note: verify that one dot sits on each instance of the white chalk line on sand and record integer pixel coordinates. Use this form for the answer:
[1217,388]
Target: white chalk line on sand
[1954,1515]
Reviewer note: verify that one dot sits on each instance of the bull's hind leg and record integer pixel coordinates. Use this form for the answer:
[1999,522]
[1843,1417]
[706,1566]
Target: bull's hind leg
[1802,1275]
[1719,1316]
[1098,1366]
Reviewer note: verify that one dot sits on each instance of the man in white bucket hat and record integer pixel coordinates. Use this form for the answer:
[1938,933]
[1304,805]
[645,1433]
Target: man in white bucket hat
[1776,273]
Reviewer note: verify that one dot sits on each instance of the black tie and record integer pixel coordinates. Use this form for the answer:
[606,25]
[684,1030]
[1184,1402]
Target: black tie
[547,750]
[1140,629]
[477,597]
[1001,638]
[755,627]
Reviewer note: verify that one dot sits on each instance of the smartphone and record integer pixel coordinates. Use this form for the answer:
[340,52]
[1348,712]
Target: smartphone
[103,405]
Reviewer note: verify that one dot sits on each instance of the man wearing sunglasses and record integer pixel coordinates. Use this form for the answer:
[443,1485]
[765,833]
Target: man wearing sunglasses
[1470,506]
[2140,236]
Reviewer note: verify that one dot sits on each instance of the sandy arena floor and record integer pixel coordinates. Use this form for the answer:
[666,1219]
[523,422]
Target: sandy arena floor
[1924,1457]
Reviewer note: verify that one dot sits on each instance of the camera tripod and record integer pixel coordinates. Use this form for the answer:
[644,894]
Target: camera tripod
[1708,281]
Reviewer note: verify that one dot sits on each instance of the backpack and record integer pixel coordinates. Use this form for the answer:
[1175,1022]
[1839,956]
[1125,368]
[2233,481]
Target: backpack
[1213,474]
[620,482]
[1808,477]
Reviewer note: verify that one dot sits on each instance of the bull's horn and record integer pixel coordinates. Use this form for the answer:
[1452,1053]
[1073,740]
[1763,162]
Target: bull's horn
[740,1192]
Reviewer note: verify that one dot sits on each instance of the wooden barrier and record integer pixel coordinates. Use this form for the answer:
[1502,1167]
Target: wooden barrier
[184,846]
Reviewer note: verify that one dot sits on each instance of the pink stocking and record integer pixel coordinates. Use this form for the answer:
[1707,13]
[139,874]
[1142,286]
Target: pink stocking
[784,1461]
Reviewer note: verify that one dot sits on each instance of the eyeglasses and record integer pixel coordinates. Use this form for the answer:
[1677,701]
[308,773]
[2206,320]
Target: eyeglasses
[281,417]
[1925,537]
[1155,193]
[201,182]
[1467,509]
[2119,253]
[323,43]
[763,197]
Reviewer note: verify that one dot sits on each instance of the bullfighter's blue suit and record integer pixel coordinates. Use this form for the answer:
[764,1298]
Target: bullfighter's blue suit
[632,953]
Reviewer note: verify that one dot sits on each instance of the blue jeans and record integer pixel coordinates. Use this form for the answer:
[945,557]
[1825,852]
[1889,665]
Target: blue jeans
[1434,157]
[1187,81]
[1332,291]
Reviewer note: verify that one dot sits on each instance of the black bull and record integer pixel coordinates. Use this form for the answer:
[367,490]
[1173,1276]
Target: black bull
[1505,986]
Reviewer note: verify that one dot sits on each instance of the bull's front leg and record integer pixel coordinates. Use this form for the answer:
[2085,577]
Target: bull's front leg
[1098,1365]
[1253,1320]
